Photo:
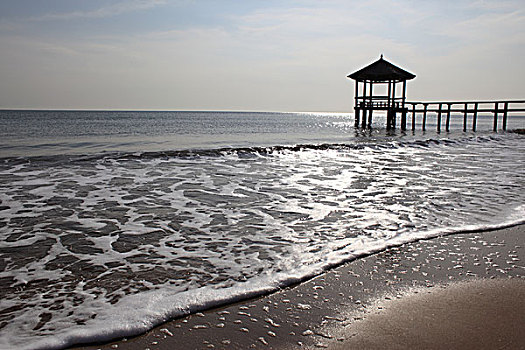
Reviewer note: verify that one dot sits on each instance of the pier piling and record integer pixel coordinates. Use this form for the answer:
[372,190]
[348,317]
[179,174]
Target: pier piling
[425,117]
[464,108]
[475,117]
[439,119]
[495,127]
[403,121]
[465,118]
[448,117]
[413,117]
[505,110]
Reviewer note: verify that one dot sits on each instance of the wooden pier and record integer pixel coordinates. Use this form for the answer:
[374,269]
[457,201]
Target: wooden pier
[383,74]
[443,111]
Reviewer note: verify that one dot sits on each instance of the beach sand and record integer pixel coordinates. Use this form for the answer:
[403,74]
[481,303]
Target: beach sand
[479,314]
[464,291]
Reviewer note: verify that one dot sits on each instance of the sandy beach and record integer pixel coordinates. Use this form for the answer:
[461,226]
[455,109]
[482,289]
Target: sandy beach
[463,291]
[477,314]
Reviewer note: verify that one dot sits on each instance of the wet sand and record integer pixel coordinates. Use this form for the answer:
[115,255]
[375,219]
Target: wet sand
[478,314]
[464,291]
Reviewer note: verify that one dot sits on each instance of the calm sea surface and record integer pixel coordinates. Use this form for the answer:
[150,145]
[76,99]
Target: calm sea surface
[112,222]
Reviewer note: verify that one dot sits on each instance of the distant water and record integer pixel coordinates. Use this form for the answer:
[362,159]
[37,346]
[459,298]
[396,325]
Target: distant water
[112,222]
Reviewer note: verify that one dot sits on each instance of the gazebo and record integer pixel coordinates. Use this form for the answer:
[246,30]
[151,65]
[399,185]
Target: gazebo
[380,72]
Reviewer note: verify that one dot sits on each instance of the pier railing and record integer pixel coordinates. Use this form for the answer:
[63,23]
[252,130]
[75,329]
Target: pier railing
[379,105]
[444,109]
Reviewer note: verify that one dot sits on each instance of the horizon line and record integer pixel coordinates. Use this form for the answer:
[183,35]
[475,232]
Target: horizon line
[163,110]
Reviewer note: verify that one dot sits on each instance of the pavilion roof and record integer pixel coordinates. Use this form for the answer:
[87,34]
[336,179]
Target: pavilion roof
[381,70]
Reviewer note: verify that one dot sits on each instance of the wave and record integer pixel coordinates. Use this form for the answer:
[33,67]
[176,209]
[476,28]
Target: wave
[158,307]
[254,151]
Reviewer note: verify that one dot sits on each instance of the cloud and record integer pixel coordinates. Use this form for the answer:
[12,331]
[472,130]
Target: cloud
[106,11]
[493,26]
[270,58]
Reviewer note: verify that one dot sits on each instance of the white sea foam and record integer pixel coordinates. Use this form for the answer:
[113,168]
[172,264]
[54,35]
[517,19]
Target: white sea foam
[140,312]
[118,245]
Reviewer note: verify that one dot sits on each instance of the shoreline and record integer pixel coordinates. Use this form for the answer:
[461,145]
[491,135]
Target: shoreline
[318,312]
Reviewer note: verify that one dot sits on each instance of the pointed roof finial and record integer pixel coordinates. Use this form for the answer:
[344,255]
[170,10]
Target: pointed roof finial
[381,56]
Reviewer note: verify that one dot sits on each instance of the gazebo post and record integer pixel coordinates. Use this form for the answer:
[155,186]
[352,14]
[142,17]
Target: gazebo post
[389,99]
[403,111]
[356,103]
[404,93]
[371,112]
[364,92]
[394,94]
[393,115]
[364,103]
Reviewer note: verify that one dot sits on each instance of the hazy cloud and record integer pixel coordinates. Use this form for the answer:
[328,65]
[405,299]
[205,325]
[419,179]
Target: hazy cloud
[276,57]
[105,11]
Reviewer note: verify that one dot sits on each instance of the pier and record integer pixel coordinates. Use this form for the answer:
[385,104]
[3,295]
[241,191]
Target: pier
[382,74]
[444,110]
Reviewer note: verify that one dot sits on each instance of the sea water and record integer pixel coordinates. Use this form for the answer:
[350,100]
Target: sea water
[113,222]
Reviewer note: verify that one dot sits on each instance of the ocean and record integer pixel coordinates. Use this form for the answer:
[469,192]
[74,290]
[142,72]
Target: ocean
[113,222]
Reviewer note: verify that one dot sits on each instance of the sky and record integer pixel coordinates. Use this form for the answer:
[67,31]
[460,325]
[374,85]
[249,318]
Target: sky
[257,55]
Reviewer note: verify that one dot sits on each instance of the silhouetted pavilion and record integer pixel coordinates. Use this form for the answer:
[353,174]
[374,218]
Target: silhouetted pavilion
[380,72]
